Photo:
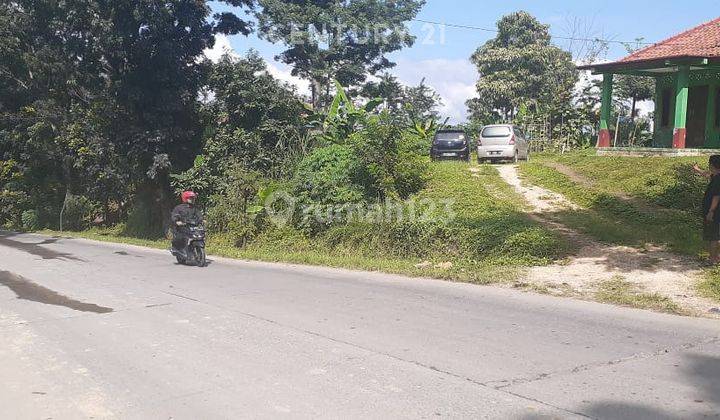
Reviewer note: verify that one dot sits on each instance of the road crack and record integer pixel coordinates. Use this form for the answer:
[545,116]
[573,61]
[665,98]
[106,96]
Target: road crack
[501,384]
[391,356]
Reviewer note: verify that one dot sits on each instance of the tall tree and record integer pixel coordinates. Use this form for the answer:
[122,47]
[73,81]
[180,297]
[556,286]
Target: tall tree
[422,102]
[521,68]
[388,88]
[407,102]
[102,90]
[254,120]
[337,39]
[636,89]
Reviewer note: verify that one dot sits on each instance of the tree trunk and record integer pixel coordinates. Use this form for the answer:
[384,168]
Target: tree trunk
[150,215]
[316,88]
[632,112]
[313,95]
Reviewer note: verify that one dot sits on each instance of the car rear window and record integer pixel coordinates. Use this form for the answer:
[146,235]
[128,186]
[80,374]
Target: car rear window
[496,131]
[450,136]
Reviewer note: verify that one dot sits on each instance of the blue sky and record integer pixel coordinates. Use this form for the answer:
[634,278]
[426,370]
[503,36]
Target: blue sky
[443,60]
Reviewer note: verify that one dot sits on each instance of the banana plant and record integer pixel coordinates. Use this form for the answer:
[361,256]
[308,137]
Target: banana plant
[344,118]
[426,129]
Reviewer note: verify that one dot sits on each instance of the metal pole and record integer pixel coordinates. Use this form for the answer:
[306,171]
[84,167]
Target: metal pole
[617,130]
[62,210]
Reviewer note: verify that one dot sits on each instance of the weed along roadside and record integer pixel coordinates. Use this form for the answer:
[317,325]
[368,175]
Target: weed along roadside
[466,228]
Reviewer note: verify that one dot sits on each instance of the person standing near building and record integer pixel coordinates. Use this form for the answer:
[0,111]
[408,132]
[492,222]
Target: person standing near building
[710,206]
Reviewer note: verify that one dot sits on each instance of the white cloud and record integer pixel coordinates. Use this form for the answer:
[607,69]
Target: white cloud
[279,71]
[454,81]
[646,107]
[222,46]
[283,73]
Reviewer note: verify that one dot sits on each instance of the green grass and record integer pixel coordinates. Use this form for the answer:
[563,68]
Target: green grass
[489,226]
[628,201]
[632,201]
[619,291]
[489,240]
[709,286]
[666,182]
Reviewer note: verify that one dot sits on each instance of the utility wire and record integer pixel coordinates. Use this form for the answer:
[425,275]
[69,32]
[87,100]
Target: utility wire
[566,38]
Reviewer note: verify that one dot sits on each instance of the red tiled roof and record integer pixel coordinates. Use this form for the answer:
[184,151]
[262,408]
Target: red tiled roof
[701,41]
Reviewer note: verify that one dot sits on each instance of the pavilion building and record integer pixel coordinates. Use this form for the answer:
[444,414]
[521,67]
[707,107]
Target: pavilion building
[686,68]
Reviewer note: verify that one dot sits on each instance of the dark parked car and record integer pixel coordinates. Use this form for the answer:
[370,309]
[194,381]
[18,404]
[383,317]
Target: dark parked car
[450,144]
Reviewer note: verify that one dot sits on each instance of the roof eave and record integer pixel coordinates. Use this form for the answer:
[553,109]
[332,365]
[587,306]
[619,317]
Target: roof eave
[649,64]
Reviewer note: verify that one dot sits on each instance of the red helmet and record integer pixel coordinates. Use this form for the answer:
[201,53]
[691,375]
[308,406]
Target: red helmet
[187,196]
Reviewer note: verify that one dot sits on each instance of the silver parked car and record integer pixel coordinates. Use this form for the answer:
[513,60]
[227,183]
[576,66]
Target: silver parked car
[502,142]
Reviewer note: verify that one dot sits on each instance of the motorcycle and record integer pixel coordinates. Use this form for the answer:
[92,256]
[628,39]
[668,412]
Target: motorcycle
[194,251]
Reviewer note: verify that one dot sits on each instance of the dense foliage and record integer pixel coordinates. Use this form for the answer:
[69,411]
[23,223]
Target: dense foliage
[109,109]
[343,40]
[253,120]
[411,103]
[369,158]
[100,99]
[521,68]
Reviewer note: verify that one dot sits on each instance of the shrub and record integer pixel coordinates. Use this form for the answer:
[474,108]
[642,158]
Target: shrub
[332,175]
[387,149]
[79,212]
[12,205]
[390,154]
[376,145]
[30,220]
[141,222]
[238,212]
[412,170]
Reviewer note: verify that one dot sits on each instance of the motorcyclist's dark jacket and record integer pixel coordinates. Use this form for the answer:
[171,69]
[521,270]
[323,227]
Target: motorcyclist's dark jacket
[187,214]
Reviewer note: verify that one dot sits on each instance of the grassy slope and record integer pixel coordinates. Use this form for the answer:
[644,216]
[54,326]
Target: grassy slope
[489,240]
[632,201]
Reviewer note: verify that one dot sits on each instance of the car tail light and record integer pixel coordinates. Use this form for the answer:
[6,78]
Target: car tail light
[512,140]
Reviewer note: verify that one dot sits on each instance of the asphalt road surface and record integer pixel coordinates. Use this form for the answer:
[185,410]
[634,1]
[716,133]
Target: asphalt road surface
[91,330]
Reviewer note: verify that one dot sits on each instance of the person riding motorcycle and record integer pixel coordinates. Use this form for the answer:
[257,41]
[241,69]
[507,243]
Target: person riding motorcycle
[184,214]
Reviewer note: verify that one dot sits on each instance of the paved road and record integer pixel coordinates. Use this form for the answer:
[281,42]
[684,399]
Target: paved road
[90,330]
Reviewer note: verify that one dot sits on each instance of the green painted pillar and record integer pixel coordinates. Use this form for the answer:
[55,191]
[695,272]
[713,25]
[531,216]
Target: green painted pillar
[605,111]
[681,101]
